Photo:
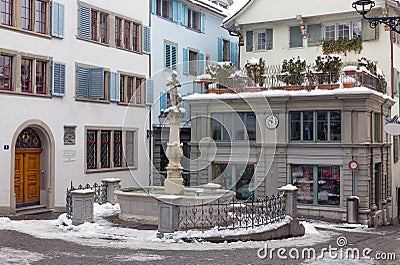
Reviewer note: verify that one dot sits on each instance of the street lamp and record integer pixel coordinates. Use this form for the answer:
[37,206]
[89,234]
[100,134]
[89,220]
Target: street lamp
[363,7]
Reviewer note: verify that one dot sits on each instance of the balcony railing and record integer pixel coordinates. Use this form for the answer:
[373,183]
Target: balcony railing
[307,80]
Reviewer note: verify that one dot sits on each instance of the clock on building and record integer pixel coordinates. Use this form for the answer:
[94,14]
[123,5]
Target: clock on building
[271,121]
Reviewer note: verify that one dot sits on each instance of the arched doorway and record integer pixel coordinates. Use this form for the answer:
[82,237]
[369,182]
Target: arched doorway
[28,149]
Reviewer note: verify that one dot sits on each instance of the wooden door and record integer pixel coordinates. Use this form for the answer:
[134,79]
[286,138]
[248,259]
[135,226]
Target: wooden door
[27,177]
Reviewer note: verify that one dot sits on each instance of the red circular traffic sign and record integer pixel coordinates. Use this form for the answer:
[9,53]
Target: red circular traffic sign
[353,165]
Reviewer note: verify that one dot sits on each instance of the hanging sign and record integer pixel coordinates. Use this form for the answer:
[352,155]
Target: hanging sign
[392,126]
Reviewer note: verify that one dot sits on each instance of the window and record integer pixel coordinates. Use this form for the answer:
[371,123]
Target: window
[105,149]
[94,14]
[41,77]
[136,37]
[170,56]
[6,72]
[40,17]
[193,57]
[26,75]
[6,12]
[343,31]
[226,54]
[127,35]
[357,29]
[296,39]
[132,89]
[118,32]
[263,39]
[239,126]
[194,19]
[26,15]
[315,126]
[317,184]
[104,28]
[164,8]
[329,32]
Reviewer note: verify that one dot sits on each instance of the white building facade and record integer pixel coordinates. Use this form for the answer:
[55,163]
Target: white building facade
[72,74]
[278,31]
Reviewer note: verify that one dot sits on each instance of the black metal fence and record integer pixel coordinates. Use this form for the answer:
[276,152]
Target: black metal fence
[234,214]
[100,195]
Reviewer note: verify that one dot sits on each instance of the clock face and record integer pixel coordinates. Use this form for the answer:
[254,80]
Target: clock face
[271,121]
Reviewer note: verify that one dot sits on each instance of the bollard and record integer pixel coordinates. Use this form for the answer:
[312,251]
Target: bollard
[82,206]
[112,184]
[168,213]
[290,193]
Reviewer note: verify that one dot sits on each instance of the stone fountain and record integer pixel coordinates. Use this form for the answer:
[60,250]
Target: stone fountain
[140,205]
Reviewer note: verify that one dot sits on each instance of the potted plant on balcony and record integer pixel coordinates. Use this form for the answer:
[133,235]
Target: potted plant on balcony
[292,73]
[255,70]
[220,74]
[328,71]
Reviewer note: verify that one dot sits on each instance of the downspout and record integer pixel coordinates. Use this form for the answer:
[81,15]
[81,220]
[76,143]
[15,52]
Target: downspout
[151,181]
[391,63]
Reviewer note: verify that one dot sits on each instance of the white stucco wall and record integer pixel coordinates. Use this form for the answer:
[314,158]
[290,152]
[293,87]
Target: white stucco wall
[207,43]
[57,112]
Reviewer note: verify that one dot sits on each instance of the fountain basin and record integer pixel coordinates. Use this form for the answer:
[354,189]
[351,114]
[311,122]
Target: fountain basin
[140,205]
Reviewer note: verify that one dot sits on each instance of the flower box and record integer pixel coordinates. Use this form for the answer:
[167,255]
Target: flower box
[328,86]
[348,84]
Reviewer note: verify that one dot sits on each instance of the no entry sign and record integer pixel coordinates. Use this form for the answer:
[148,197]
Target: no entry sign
[353,165]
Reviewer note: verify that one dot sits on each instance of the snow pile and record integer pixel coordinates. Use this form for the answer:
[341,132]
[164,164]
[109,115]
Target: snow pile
[252,61]
[17,256]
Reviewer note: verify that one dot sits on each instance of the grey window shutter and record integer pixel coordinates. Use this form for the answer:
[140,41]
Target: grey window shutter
[296,39]
[249,41]
[146,40]
[96,83]
[269,39]
[369,33]
[314,35]
[57,20]
[84,22]
[58,79]
[114,86]
[82,82]
[149,92]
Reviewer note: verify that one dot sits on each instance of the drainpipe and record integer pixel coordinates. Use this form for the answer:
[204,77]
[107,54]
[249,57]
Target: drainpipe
[391,63]
[150,113]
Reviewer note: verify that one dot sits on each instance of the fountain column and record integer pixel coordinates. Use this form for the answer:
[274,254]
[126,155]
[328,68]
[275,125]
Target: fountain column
[174,182]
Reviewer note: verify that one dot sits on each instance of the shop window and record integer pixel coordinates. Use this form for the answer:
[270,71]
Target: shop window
[228,127]
[317,184]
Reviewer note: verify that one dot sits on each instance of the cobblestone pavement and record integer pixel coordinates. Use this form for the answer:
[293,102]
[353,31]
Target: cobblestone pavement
[19,248]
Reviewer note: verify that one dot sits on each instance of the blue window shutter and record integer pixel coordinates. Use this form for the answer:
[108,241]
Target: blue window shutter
[180,12]
[186,106]
[96,83]
[203,22]
[82,82]
[58,79]
[163,101]
[234,54]
[154,6]
[149,90]
[114,86]
[146,41]
[201,63]
[175,11]
[57,20]
[184,20]
[84,22]
[220,50]
[168,56]
[185,61]
[173,57]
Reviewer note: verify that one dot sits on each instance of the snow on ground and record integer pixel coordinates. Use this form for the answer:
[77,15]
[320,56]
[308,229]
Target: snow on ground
[16,256]
[105,234]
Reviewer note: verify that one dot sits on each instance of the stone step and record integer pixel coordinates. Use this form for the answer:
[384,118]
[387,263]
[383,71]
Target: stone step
[35,209]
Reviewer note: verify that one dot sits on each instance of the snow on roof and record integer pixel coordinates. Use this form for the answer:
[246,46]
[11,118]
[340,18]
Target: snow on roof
[235,8]
[284,93]
[210,6]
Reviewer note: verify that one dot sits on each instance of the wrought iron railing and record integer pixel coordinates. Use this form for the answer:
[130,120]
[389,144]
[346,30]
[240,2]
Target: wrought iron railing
[309,79]
[100,195]
[234,214]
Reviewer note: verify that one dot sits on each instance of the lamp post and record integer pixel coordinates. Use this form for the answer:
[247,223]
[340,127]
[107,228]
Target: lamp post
[363,7]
